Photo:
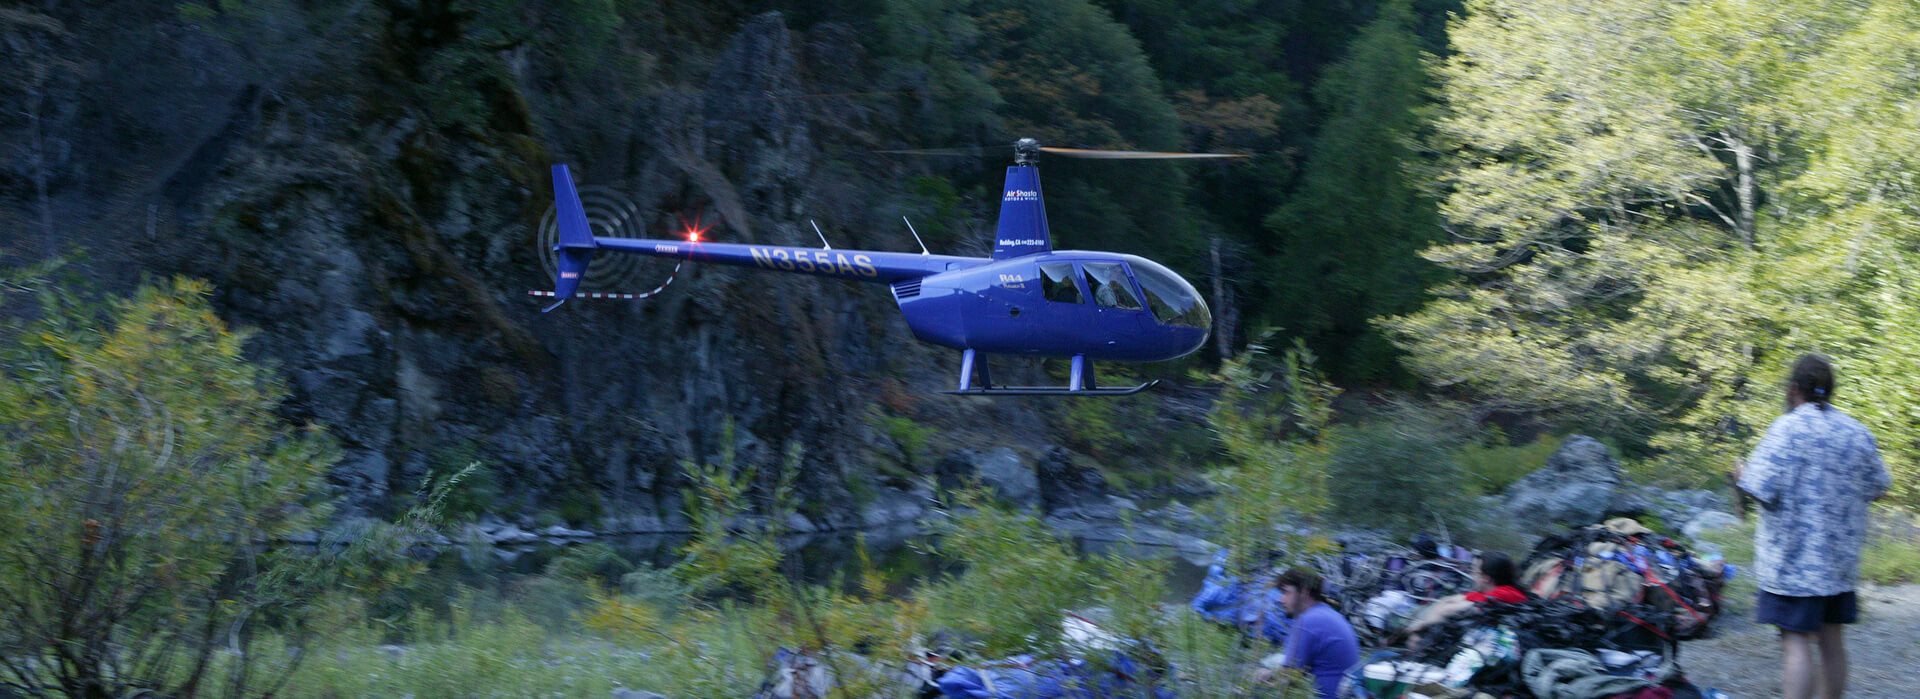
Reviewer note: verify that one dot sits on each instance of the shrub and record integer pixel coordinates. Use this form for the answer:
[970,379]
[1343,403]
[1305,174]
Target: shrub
[1003,550]
[1269,421]
[1892,556]
[1491,464]
[1397,469]
[475,493]
[143,453]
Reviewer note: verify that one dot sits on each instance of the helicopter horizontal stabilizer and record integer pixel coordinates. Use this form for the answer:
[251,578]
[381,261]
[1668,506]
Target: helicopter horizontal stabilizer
[575,250]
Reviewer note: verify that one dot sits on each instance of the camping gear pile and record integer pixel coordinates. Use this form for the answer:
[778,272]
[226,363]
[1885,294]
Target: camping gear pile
[1609,605]
[1377,585]
[1621,563]
[1099,665]
[1380,586]
[1024,677]
[1558,648]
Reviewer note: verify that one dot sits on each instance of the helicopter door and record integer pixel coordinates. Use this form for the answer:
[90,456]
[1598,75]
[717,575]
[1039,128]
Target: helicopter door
[1063,320]
[1118,311]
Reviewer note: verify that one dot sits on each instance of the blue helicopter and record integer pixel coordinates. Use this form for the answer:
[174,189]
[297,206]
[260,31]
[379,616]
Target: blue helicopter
[1027,299]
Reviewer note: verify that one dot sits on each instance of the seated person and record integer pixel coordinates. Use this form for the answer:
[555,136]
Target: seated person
[1321,641]
[1496,579]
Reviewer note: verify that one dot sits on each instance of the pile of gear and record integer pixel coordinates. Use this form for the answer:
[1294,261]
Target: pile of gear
[1381,586]
[1094,663]
[1558,648]
[1621,563]
[1377,585]
[1607,607]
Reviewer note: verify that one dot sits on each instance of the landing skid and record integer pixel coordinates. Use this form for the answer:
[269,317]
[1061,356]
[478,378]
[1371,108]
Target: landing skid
[1053,391]
[1080,384]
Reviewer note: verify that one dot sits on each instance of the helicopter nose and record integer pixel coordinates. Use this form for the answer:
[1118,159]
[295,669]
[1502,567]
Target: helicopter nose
[1187,340]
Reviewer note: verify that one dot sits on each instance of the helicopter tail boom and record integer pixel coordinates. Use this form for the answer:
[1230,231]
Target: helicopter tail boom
[575,250]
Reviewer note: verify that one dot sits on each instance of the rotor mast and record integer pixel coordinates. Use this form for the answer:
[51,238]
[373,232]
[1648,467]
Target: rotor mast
[1026,152]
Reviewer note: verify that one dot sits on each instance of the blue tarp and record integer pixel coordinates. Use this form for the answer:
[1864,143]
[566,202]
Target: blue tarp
[1022,677]
[1252,606]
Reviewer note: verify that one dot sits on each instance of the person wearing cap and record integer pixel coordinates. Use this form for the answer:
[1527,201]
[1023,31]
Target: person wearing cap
[1813,474]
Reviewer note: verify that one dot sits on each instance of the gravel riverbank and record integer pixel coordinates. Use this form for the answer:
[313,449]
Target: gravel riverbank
[1743,658]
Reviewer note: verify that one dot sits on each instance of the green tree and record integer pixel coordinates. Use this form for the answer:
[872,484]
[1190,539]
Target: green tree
[1845,269]
[1594,196]
[143,476]
[1398,469]
[1655,205]
[1271,421]
[1349,242]
[1064,72]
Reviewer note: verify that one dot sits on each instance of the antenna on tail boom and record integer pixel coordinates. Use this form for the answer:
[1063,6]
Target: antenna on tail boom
[916,236]
[823,236]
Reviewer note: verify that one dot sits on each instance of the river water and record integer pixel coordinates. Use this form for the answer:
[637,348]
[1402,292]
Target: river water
[903,555]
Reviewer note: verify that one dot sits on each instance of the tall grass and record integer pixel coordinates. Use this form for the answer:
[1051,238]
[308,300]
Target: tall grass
[1892,555]
[1491,464]
[1736,546]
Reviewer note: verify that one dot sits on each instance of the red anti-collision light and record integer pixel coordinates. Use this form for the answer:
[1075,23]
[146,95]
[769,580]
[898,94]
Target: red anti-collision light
[694,230]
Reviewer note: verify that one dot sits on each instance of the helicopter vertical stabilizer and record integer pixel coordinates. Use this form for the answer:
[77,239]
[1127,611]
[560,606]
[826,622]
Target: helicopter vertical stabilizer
[575,249]
[1023,216]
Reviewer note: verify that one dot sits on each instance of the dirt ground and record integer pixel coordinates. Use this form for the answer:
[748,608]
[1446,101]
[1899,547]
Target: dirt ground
[1743,659]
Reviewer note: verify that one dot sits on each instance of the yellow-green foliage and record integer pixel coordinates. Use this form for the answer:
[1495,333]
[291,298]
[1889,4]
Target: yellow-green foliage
[142,464]
[1005,551]
[1091,426]
[718,557]
[1891,560]
[908,436]
[1492,465]
[1270,420]
[1892,555]
[772,611]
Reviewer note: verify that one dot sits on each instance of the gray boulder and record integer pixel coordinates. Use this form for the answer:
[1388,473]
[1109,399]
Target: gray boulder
[999,469]
[1066,485]
[1709,521]
[1580,485]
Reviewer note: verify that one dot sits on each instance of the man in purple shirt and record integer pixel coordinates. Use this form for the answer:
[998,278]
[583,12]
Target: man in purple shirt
[1321,642]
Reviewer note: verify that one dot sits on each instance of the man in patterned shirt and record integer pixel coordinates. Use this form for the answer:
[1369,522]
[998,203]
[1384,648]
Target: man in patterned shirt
[1813,475]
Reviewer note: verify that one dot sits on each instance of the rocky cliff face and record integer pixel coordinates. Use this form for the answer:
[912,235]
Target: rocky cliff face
[367,199]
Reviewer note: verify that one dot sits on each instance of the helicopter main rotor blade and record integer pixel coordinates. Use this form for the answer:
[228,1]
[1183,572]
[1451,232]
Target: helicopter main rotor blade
[973,152]
[1134,154]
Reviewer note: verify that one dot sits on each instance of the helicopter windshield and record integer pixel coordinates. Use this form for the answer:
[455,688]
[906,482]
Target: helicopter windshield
[1173,300]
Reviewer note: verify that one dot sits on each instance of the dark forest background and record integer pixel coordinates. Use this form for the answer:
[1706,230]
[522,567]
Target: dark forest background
[264,263]
[1624,227]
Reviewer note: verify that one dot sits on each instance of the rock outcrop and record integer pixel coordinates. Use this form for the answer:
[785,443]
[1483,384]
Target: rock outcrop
[1580,484]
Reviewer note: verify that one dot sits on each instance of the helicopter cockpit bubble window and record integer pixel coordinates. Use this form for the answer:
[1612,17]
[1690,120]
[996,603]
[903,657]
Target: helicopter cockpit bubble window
[1173,300]
[1107,281]
[1056,282]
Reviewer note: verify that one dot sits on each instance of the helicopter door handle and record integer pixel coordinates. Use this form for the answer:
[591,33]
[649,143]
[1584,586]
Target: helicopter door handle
[1013,311]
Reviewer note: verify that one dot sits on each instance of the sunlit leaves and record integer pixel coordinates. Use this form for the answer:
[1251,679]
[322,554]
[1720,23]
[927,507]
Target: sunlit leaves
[1658,204]
[144,456]
[1271,421]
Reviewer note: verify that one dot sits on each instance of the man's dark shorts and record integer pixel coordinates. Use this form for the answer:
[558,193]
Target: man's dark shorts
[1806,614]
